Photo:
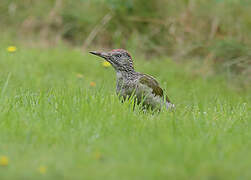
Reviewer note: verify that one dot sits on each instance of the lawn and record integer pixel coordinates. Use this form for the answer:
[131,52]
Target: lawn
[61,119]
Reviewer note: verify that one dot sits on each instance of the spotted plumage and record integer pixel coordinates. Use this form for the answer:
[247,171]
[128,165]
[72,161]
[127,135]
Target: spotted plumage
[129,82]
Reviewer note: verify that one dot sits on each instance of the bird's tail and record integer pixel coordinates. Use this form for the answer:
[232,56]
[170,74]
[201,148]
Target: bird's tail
[170,106]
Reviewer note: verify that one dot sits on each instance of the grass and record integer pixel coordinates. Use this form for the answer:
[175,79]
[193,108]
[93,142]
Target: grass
[54,125]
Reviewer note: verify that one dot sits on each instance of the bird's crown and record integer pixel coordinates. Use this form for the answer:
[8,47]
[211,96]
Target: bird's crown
[121,51]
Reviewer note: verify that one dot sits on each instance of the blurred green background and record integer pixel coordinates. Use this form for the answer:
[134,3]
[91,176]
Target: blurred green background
[60,117]
[215,33]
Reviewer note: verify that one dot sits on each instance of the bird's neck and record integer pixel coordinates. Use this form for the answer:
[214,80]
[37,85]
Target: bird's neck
[126,75]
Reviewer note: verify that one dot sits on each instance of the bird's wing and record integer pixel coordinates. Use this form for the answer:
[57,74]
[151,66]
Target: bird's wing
[153,84]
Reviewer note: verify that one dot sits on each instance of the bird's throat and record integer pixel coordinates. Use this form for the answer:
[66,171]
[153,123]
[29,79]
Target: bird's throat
[119,75]
[125,75]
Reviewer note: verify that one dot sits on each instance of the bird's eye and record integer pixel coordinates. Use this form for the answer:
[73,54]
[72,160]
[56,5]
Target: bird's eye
[118,55]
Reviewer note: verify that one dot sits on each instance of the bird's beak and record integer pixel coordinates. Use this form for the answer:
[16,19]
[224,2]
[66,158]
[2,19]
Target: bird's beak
[100,54]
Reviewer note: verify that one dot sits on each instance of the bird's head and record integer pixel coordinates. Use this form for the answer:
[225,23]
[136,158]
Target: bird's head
[120,59]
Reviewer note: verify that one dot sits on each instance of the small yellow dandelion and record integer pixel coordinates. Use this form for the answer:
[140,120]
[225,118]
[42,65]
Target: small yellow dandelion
[4,161]
[106,64]
[97,155]
[11,49]
[80,76]
[92,84]
[42,169]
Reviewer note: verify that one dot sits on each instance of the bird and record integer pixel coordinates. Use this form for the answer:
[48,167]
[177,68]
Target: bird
[143,87]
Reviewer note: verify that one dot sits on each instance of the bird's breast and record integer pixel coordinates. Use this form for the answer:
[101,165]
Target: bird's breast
[125,88]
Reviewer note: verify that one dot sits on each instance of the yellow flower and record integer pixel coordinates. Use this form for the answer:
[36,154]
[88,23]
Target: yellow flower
[11,49]
[42,169]
[106,64]
[79,75]
[97,155]
[92,84]
[4,161]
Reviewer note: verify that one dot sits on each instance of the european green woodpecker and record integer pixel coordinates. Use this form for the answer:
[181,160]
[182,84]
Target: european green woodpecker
[131,83]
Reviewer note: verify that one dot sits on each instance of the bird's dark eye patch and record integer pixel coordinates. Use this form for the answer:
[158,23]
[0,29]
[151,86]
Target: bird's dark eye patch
[118,55]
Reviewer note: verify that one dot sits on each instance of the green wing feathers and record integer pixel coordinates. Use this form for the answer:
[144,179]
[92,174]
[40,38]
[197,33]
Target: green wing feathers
[152,83]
